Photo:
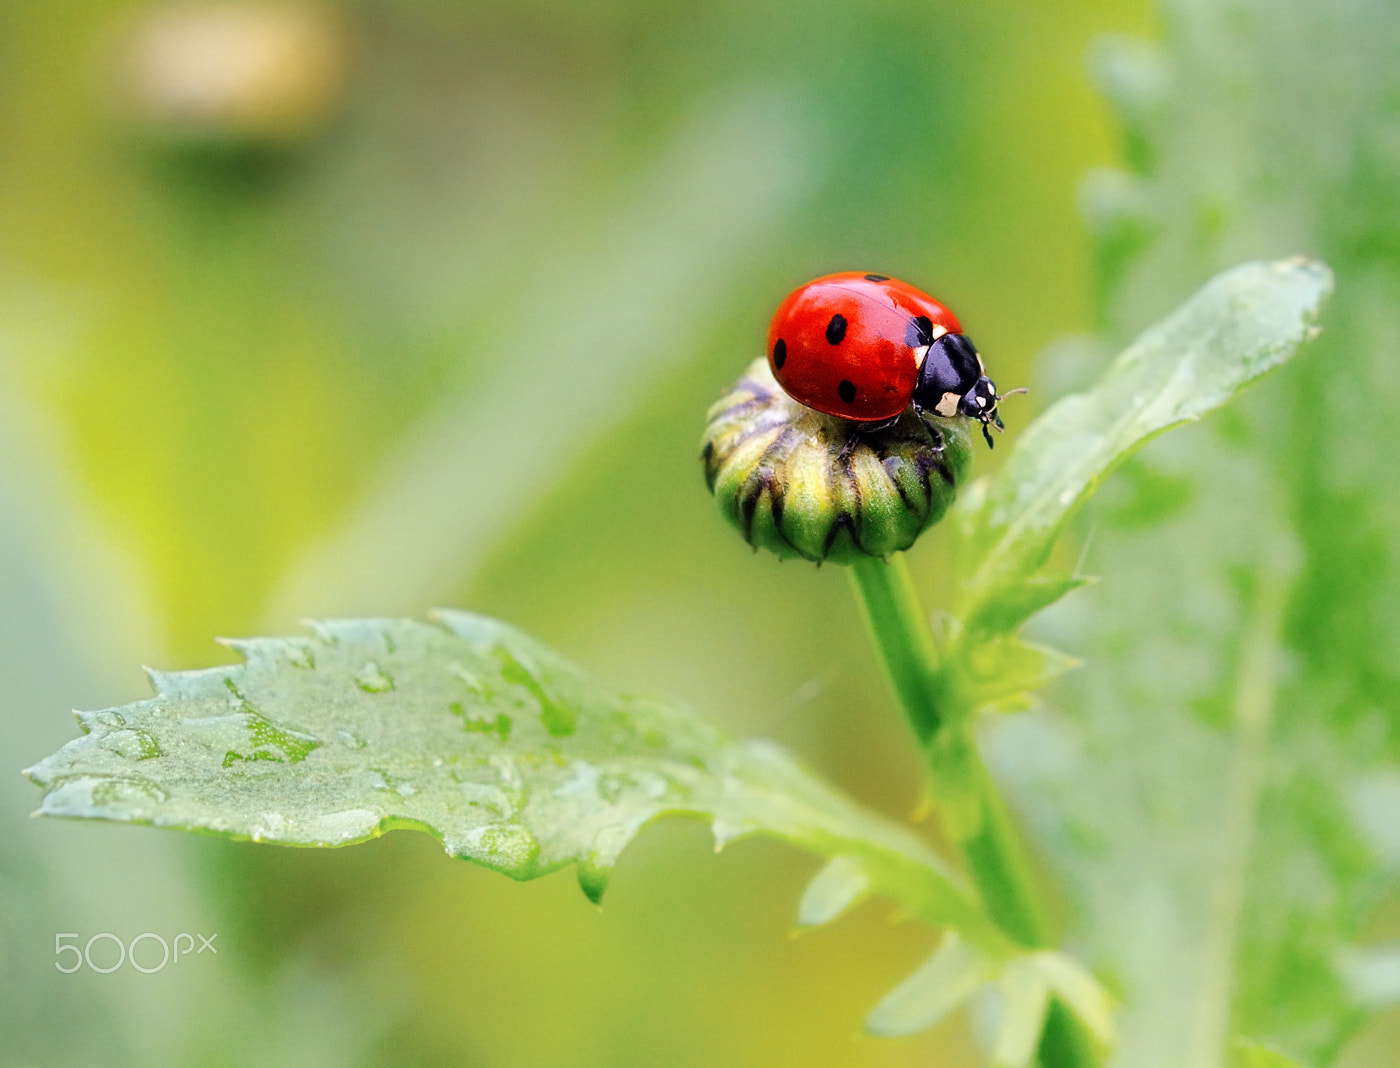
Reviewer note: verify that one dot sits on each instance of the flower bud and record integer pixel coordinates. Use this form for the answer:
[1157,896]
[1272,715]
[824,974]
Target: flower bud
[802,483]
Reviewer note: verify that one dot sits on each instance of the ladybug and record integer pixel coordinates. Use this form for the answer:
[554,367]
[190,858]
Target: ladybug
[866,346]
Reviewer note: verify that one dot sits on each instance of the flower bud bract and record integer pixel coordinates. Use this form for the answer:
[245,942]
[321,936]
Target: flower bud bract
[802,483]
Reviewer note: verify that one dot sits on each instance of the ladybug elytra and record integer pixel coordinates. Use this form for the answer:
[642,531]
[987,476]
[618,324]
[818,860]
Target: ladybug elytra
[866,346]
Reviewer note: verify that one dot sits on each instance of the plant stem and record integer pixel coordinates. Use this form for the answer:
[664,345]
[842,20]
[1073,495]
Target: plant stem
[999,866]
[902,638]
[994,854]
[1253,714]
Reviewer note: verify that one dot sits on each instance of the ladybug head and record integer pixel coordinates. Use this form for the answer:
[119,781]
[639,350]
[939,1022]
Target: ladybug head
[953,382]
[980,403]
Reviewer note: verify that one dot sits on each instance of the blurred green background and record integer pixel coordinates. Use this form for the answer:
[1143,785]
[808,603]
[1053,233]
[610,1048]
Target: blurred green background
[313,311]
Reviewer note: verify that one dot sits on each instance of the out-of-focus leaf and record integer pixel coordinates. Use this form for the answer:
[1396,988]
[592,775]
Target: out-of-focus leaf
[1005,668]
[1241,324]
[836,888]
[1016,604]
[1020,986]
[1025,999]
[474,733]
[1221,850]
[946,980]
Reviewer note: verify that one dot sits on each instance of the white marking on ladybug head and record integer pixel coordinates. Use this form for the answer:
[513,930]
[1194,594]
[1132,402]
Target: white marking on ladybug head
[981,400]
[947,405]
[938,331]
[919,355]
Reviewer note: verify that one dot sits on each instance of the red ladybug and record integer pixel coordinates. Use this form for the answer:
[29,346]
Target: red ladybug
[866,346]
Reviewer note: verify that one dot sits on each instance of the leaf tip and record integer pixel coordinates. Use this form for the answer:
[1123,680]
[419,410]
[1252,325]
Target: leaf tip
[941,985]
[593,880]
[837,888]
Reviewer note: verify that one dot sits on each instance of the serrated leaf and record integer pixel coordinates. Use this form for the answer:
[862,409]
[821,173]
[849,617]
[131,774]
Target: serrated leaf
[1240,325]
[1222,851]
[472,732]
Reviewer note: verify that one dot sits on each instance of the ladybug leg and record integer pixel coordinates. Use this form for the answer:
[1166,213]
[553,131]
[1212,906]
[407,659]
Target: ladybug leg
[934,430]
[875,428]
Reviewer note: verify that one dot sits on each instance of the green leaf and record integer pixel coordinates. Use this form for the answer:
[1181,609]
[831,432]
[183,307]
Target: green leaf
[1217,790]
[839,886]
[1240,325]
[946,980]
[1019,989]
[474,733]
[1017,603]
[1002,670]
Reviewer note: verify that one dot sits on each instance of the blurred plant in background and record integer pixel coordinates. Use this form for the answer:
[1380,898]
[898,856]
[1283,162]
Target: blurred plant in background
[1224,813]
[447,332]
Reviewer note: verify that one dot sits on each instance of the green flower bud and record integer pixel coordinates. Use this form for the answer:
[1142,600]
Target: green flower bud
[802,483]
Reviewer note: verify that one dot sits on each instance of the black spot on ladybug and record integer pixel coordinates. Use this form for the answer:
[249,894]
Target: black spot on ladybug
[836,330]
[919,332]
[779,353]
[847,388]
[877,278]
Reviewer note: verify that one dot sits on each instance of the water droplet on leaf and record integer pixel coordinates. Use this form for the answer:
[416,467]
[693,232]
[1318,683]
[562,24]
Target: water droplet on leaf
[372,679]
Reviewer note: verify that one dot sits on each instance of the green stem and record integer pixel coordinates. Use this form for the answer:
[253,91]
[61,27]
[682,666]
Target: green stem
[902,638]
[1001,869]
[994,854]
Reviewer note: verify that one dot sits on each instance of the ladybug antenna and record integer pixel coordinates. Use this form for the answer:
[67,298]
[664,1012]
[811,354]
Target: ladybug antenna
[994,416]
[990,417]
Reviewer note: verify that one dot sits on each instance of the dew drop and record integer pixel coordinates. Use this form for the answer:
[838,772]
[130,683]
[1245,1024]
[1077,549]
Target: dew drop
[491,798]
[394,784]
[502,845]
[345,826]
[372,679]
[132,744]
[299,655]
[481,723]
[509,773]
[107,721]
[616,786]
[81,794]
[270,825]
